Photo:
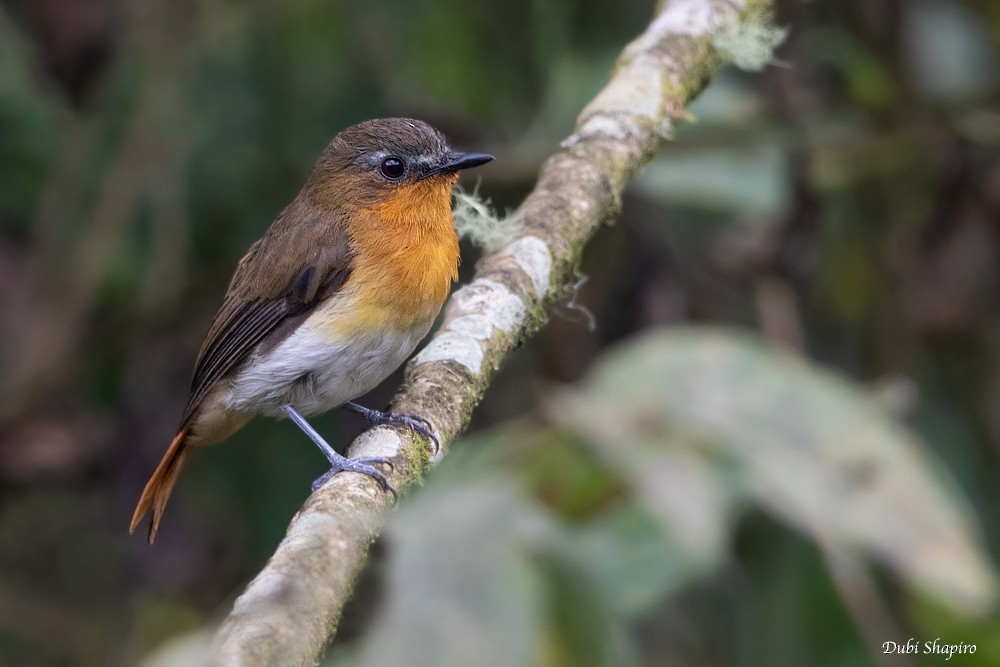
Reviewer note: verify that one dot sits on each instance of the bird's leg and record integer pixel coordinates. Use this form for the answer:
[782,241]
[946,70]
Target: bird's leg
[415,422]
[339,462]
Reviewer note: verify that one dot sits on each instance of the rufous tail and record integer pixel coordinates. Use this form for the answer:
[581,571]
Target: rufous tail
[159,486]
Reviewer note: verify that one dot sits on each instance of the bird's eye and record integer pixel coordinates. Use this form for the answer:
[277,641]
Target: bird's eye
[392,168]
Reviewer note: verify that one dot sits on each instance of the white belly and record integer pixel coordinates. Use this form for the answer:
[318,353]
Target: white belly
[315,374]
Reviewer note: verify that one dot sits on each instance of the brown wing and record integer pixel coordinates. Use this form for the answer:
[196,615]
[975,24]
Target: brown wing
[303,259]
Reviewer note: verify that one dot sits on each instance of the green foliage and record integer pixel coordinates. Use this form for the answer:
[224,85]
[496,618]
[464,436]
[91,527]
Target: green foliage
[696,427]
[742,423]
[26,139]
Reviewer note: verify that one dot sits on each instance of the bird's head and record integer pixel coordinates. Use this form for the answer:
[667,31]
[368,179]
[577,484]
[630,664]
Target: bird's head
[384,159]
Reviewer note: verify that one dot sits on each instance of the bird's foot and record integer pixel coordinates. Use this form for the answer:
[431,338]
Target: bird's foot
[339,462]
[364,466]
[414,422]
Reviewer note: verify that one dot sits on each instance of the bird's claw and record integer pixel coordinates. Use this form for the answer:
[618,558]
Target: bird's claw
[414,422]
[419,424]
[364,466]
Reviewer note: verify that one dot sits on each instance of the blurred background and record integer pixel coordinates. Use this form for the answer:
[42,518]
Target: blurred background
[765,430]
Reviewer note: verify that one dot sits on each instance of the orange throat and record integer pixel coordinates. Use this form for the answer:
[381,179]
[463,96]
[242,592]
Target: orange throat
[408,257]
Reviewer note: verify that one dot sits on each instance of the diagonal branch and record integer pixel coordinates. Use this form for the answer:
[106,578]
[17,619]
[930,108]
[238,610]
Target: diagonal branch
[291,609]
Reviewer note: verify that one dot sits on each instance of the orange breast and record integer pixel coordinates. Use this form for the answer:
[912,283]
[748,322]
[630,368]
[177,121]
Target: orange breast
[406,255]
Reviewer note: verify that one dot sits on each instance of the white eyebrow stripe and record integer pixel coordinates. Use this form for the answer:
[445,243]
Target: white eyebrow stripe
[420,163]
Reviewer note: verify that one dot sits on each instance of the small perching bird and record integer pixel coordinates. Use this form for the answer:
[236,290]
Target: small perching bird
[335,296]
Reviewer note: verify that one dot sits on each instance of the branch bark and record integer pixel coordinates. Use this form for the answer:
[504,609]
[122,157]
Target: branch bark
[290,611]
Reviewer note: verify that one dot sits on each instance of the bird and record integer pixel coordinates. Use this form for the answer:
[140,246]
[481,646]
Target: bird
[334,297]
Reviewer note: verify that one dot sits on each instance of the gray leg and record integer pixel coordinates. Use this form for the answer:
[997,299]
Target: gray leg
[338,462]
[415,422]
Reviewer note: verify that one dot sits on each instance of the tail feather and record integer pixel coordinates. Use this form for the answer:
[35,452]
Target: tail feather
[159,486]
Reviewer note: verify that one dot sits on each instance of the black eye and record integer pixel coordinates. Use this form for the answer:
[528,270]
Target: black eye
[392,168]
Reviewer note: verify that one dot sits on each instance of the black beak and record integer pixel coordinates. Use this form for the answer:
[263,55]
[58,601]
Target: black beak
[456,161]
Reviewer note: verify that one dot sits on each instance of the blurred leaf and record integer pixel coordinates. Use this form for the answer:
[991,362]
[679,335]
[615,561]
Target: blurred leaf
[950,54]
[806,445]
[934,621]
[189,650]
[868,80]
[172,628]
[581,628]
[28,130]
[632,561]
[730,103]
[752,181]
[461,588]
[567,478]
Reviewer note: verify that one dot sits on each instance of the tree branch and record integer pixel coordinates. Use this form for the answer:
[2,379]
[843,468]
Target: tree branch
[291,609]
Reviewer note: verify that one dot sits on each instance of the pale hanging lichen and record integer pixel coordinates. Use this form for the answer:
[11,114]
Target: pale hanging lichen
[750,44]
[478,221]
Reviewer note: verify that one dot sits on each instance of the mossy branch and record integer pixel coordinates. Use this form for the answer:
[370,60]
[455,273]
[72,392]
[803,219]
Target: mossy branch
[290,611]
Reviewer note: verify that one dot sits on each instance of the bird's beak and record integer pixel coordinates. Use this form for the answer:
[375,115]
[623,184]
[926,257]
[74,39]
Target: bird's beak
[456,161]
